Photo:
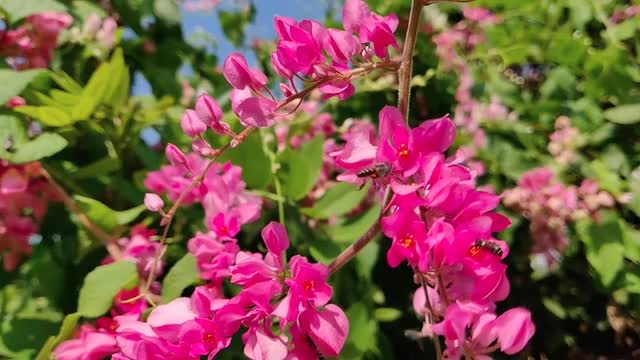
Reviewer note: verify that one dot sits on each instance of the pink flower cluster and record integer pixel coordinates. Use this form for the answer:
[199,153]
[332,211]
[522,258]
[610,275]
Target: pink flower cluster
[549,204]
[308,51]
[222,193]
[441,226]
[25,197]
[293,296]
[451,46]
[564,141]
[98,30]
[31,45]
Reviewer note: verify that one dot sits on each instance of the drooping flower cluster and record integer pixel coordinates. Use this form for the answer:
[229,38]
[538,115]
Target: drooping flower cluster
[222,193]
[97,30]
[440,225]
[624,14]
[25,197]
[31,45]
[564,141]
[329,58]
[294,295]
[549,204]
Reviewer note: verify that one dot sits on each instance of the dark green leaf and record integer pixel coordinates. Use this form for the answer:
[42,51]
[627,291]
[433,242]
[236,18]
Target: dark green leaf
[98,168]
[67,330]
[605,249]
[255,164]
[353,229]
[102,285]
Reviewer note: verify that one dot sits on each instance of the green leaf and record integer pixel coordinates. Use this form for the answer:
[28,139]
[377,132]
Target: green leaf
[20,9]
[339,200]
[102,285]
[387,314]
[13,82]
[353,229]
[255,164]
[116,92]
[47,115]
[67,330]
[323,250]
[623,114]
[127,216]
[299,170]
[168,11]
[362,328]
[631,239]
[182,275]
[104,216]
[98,212]
[98,168]
[605,249]
[608,179]
[65,81]
[43,146]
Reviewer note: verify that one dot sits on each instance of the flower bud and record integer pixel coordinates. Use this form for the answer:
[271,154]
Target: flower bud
[211,115]
[176,156]
[153,202]
[192,124]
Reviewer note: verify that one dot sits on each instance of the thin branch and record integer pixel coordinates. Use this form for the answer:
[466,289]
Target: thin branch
[106,239]
[406,66]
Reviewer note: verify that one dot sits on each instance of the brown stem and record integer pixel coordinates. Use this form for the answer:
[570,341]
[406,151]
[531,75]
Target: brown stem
[406,66]
[430,317]
[106,239]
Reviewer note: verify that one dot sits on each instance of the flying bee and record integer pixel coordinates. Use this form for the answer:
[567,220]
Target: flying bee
[528,75]
[489,246]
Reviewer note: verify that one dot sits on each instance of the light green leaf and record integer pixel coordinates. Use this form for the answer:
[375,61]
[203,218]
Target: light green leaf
[623,114]
[102,285]
[67,330]
[608,179]
[182,275]
[339,200]
[98,212]
[362,328]
[13,82]
[19,9]
[65,81]
[116,92]
[127,216]
[167,11]
[324,251]
[47,115]
[387,314]
[299,170]
[45,145]
[605,249]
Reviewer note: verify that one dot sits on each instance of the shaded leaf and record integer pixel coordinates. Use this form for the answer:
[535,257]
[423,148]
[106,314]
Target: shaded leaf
[101,286]
[181,275]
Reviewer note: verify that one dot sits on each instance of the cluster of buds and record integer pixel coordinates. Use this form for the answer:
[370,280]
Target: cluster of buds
[95,29]
[442,227]
[31,45]
[549,204]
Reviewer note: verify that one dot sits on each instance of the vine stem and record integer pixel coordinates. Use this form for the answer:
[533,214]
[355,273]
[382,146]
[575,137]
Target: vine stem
[430,317]
[106,239]
[406,66]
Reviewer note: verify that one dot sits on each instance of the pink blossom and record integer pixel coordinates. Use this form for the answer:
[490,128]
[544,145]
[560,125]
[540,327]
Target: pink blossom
[327,328]
[240,75]
[191,123]
[91,344]
[210,113]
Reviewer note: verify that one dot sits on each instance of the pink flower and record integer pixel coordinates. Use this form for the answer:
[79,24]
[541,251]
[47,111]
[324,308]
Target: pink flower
[328,329]
[12,181]
[261,346]
[91,344]
[175,156]
[240,75]
[215,256]
[210,113]
[191,123]
[514,329]
[153,202]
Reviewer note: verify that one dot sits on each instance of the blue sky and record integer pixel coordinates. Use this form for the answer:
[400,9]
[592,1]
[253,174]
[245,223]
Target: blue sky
[262,28]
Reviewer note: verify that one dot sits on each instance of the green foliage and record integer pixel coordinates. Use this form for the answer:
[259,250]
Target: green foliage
[14,82]
[255,163]
[299,170]
[182,275]
[338,200]
[67,330]
[101,286]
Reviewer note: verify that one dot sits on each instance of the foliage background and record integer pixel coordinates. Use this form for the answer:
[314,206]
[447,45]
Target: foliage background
[94,116]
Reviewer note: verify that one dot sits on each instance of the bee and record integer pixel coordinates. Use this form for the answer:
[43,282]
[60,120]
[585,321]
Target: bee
[528,75]
[8,144]
[487,245]
[377,171]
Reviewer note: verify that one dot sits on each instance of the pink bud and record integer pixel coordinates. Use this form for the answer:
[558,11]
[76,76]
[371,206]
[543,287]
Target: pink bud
[191,124]
[237,72]
[211,115]
[175,156]
[15,102]
[153,202]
